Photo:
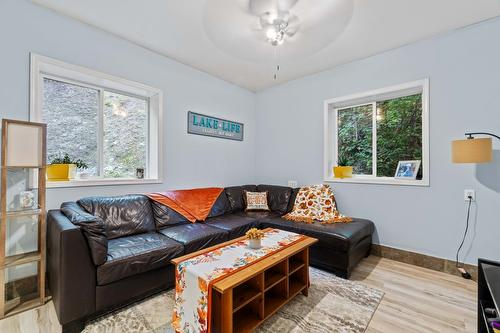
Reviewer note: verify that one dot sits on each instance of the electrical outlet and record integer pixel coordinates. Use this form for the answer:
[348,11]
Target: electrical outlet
[292,183]
[469,193]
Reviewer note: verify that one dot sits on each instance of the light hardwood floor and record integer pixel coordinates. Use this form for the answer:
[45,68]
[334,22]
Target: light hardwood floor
[416,300]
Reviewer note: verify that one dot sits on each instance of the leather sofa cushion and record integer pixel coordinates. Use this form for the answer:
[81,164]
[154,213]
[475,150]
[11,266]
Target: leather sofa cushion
[259,216]
[93,230]
[122,215]
[236,225]
[221,205]
[196,236]
[339,237]
[277,197]
[131,255]
[165,216]
[235,196]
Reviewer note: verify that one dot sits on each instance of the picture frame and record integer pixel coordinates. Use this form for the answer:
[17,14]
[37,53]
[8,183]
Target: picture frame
[407,169]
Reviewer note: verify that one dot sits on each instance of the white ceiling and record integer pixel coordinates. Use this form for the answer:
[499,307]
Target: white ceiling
[185,31]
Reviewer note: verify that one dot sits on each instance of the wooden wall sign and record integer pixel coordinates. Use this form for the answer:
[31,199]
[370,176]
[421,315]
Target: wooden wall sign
[201,124]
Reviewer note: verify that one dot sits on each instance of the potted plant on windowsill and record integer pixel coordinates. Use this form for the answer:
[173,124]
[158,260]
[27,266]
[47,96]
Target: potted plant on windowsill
[342,170]
[64,168]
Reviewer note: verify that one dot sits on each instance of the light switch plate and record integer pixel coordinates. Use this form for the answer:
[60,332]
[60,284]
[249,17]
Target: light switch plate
[292,183]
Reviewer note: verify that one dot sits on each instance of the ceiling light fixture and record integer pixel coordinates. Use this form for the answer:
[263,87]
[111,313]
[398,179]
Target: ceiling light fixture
[276,22]
[279,25]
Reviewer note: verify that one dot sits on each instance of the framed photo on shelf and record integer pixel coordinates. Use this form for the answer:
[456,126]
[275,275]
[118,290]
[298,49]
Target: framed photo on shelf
[407,169]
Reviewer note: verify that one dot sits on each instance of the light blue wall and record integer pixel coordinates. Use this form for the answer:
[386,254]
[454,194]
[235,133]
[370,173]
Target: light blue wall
[464,72]
[463,68]
[189,160]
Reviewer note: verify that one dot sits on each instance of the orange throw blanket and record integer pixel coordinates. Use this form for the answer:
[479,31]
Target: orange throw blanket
[194,205]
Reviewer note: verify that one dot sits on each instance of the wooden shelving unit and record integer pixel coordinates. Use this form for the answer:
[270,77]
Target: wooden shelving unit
[260,296]
[18,138]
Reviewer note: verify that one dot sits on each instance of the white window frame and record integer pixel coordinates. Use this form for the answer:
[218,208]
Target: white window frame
[330,147]
[44,67]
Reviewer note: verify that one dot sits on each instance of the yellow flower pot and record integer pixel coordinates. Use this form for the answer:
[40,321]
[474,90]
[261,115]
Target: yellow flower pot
[342,171]
[61,172]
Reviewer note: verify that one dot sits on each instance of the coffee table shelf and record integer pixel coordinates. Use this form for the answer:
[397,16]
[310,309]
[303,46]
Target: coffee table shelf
[275,275]
[262,291]
[247,319]
[244,297]
[295,266]
[272,304]
[296,287]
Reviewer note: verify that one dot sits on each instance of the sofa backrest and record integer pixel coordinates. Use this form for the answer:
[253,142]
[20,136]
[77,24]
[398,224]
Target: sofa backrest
[278,197]
[122,215]
[235,196]
[166,217]
[221,205]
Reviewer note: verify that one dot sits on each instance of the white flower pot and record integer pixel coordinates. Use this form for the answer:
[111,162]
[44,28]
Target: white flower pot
[254,243]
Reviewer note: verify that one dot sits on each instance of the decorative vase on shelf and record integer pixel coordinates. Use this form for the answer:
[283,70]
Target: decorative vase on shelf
[254,243]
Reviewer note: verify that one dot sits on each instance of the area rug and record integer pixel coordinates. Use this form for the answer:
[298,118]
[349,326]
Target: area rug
[334,305]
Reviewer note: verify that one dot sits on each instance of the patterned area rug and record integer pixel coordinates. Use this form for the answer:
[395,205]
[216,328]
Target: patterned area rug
[333,305]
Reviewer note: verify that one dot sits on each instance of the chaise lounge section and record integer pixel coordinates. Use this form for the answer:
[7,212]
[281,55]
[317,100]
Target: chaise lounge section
[106,252]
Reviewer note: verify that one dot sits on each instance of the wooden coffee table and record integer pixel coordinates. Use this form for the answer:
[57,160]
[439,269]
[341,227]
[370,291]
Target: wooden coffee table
[245,299]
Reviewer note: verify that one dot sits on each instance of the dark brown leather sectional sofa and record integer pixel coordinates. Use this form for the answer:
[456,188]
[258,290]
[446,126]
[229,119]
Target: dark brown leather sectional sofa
[106,252]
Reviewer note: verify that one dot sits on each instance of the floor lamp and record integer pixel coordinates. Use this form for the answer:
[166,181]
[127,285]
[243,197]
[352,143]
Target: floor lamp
[471,150]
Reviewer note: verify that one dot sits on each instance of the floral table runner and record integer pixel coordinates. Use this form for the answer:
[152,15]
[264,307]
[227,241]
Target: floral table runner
[195,276]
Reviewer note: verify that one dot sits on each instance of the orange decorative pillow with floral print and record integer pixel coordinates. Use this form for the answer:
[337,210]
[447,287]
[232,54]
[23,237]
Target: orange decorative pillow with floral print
[315,203]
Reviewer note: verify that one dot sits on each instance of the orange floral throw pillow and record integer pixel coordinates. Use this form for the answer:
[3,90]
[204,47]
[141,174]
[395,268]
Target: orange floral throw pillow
[255,201]
[316,203]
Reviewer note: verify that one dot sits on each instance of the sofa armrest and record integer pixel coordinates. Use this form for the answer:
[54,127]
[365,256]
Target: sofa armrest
[92,228]
[71,272]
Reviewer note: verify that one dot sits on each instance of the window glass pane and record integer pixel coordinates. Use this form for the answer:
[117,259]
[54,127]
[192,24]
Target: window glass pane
[355,138]
[399,133]
[70,112]
[125,135]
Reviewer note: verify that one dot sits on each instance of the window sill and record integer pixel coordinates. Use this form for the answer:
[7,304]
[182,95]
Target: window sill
[379,181]
[101,182]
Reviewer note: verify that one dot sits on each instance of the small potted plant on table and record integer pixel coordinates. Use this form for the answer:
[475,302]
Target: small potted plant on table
[64,168]
[342,170]
[255,236]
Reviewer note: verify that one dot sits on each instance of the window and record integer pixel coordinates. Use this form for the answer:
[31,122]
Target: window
[373,131]
[111,124]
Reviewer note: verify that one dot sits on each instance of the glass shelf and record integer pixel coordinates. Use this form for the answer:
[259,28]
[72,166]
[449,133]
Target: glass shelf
[23,212]
[21,286]
[21,234]
[21,192]
[21,259]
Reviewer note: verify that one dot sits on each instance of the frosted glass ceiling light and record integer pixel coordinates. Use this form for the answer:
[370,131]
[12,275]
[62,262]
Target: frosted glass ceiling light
[279,26]
[271,33]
